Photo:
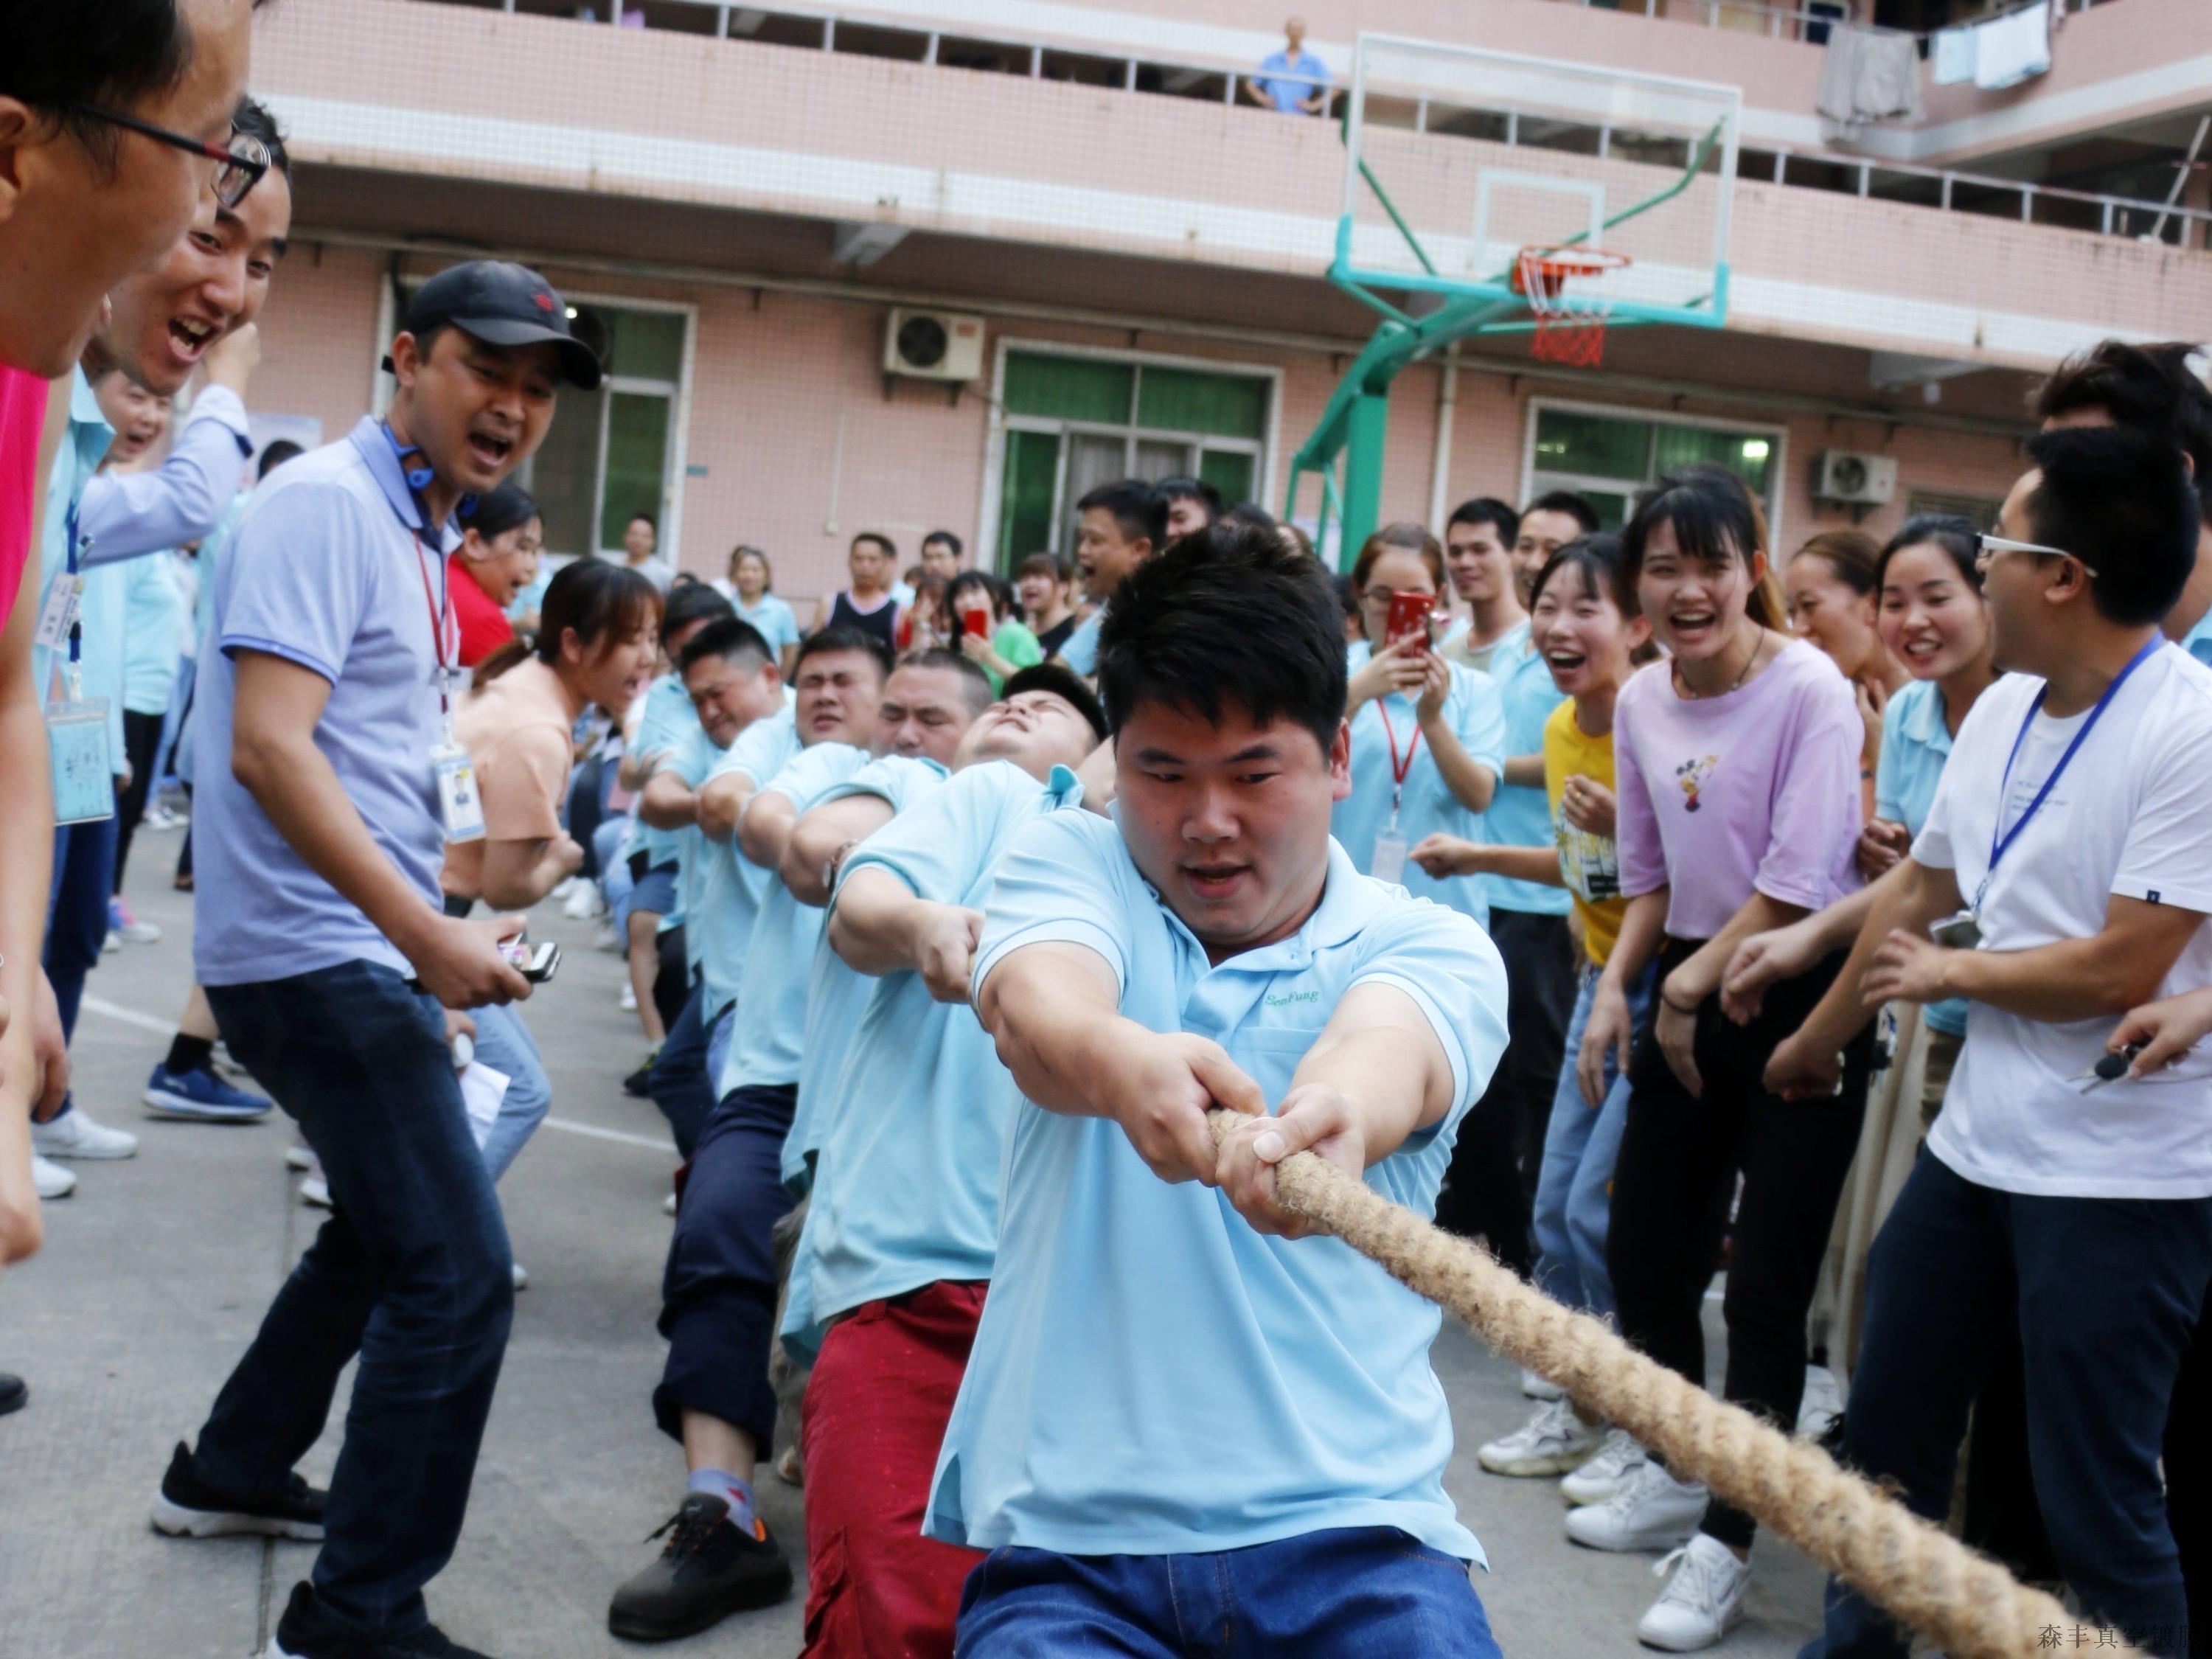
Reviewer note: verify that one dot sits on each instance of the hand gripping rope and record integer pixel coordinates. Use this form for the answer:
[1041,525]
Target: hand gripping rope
[1924,1576]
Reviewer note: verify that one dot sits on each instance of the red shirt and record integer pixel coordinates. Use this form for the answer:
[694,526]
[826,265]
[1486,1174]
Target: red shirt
[484,627]
[22,418]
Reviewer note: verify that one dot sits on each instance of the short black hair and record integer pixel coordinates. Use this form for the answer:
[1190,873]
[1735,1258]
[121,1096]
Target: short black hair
[116,54]
[2120,500]
[1138,509]
[1227,616]
[2149,388]
[843,636]
[497,511]
[1569,501]
[652,523]
[732,639]
[252,117]
[1181,487]
[1488,509]
[1250,515]
[1597,560]
[689,604]
[951,540]
[280,451]
[1065,684]
[889,547]
[1955,534]
[974,683]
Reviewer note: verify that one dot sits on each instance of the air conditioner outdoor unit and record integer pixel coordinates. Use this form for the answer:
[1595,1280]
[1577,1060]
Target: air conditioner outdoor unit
[933,345]
[1857,479]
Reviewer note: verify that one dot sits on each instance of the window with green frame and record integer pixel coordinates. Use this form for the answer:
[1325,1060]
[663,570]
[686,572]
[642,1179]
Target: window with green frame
[1607,459]
[1074,422]
[609,454]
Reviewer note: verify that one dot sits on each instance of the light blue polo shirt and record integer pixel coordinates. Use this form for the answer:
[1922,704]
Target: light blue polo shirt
[694,757]
[326,569]
[152,633]
[835,994]
[100,611]
[1915,746]
[1079,651]
[731,887]
[667,725]
[766,1043]
[906,1186]
[1521,816]
[1476,714]
[1152,1376]
[774,620]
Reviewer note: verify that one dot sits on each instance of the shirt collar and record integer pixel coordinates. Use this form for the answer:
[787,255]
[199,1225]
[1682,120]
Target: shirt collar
[368,438]
[1349,903]
[1924,723]
[89,432]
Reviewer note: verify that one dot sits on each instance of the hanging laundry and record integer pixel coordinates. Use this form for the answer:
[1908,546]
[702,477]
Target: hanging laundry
[1867,74]
[1954,56]
[2009,49]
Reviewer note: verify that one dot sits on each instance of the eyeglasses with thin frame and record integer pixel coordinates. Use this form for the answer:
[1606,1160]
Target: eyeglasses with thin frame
[1993,545]
[244,160]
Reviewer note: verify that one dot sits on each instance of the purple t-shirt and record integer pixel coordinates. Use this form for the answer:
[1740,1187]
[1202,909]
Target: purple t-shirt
[1756,788]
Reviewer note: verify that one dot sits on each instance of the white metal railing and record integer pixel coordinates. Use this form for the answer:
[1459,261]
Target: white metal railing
[857,32]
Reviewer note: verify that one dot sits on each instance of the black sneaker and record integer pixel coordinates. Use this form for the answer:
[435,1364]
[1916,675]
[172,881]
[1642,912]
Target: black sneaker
[638,1083]
[298,1637]
[708,1569]
[15,1393]
[187,1507]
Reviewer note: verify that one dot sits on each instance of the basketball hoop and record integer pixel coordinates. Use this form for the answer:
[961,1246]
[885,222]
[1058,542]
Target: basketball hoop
[1570,329]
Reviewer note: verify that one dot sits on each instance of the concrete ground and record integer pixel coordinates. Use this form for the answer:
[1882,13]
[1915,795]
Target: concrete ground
[156,1273]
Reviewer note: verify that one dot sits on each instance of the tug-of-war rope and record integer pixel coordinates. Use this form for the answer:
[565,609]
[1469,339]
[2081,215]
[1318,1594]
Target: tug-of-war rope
[1924,1576]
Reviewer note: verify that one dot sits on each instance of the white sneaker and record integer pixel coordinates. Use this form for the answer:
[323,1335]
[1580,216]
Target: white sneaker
[609,938]
[582,901]
[1822,1405]
[668,1205]
[52,1180]
[562,888]
[139,932]
[1552,1442]
[627,1002]
[110,942]
[1703,1599]
[313,1189]
[1539,1388]
[1654,1511]
[521,1277]
[75,1135]
[1615,1464]
[298,1155]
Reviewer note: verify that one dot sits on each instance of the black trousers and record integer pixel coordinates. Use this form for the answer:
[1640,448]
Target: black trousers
[142,740]
[1679,1158]
[2188,1462]
[1489,1191]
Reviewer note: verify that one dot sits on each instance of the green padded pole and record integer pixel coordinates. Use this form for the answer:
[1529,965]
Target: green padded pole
[1366,434]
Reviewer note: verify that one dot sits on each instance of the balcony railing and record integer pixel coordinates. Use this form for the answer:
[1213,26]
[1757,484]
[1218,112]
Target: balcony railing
[863,35]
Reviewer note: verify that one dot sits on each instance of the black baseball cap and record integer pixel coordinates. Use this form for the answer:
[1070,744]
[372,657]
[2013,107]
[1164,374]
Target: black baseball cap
[502,304]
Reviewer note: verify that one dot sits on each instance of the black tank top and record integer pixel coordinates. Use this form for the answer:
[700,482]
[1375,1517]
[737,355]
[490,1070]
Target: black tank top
[882,622]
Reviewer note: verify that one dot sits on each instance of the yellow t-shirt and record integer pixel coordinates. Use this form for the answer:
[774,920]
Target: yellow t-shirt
[1590,864]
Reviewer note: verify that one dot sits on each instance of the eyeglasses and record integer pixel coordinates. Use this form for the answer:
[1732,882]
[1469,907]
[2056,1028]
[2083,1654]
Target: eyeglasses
[245,160]
[1993,545]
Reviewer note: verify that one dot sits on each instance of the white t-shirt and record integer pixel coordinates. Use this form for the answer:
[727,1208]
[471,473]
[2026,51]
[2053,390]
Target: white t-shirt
[2131,815]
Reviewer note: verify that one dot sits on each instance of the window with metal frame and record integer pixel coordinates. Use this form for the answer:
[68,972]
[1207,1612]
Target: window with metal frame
[1608,455]
[1074,422]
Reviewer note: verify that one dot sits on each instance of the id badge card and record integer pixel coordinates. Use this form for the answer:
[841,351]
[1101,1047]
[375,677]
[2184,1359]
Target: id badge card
[83,769]
[1389,863]
[59,614]
[459,806]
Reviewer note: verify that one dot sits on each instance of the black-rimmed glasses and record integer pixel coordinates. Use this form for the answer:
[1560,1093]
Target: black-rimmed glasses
[244,160]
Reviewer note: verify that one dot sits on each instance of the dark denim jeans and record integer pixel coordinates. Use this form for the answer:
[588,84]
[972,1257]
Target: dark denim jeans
[412,1272]
[1349,1593]
[76,909]
[2106,1293]
[679,1082]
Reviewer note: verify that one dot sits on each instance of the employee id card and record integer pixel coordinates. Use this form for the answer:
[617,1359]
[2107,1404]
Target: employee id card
[59,614]
[83,768]
[459,806]
[1389,863]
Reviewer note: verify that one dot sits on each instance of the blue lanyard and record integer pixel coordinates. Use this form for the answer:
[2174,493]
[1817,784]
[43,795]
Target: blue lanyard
[2000,843]
[76,624]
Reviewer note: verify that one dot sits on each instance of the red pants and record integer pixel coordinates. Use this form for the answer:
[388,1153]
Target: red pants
[876,1409]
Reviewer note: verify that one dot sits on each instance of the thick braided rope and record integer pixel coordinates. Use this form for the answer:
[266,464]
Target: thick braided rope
[1925,1577]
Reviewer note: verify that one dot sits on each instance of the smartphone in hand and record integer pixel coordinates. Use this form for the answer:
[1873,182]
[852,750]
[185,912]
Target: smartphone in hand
[1409,620]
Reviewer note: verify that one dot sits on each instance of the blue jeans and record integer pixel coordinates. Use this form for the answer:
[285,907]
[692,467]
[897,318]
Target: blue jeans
[412,1272]
[504,1043]
[1574,1193]
[718,1294]
[1351,1593]
[76,913]
[680,1084]
[614,869]
[2106,1293]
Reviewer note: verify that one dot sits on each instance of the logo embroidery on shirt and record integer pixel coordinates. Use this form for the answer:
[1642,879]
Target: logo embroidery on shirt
[1692,776]
[1284,999]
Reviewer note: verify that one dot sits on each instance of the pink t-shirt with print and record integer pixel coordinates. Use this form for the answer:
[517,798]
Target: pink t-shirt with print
[1757,788]
[22,417]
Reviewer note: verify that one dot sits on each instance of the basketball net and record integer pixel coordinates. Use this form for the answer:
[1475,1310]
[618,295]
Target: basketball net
[1570,330]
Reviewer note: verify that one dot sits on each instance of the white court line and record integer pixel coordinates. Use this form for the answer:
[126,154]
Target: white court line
[116,1011]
